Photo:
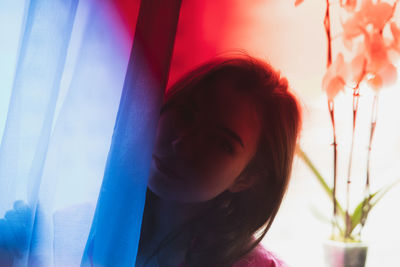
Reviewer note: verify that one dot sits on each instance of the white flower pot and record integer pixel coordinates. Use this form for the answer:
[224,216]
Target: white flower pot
[341,254]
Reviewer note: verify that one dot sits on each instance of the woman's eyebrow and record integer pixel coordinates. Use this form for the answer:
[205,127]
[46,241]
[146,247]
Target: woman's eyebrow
[231,134]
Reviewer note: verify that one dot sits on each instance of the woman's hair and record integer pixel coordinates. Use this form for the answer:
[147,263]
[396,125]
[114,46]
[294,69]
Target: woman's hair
[237,222]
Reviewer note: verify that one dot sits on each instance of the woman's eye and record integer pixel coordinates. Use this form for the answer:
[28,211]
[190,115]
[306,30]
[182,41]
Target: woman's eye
[226,146]
[221,143]
[186,113]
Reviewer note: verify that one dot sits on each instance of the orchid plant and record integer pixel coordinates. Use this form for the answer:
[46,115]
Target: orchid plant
[372,39]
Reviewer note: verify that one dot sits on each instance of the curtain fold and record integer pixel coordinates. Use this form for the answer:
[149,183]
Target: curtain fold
[34,94]
[29,121]
[115,231]
[71,69]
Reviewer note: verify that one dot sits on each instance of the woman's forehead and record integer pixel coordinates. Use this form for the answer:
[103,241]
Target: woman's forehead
[220,93]
[228,107]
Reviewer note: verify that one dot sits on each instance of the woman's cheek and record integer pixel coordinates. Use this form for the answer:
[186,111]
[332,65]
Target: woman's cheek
[215,179]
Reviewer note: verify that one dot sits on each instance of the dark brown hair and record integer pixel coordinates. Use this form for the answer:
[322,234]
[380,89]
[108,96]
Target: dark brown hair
[226,232]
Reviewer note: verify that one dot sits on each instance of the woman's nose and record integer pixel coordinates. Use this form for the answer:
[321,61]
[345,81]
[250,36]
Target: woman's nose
[178,143]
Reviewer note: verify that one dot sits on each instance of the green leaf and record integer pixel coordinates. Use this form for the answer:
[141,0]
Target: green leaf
[367,204]
[382,192]
[318,214]
[320,179]
[361,212]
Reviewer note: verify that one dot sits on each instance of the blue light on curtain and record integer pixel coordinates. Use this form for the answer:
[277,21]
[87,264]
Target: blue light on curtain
[115,231]
[66,91]
[29,120]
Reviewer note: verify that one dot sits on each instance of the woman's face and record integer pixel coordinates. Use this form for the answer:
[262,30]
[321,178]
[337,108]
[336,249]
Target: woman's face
[203,144]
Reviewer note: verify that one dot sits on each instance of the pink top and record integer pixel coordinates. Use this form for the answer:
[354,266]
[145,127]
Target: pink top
[258,257]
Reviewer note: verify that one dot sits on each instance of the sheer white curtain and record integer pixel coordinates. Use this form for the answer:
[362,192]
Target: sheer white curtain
[62,76]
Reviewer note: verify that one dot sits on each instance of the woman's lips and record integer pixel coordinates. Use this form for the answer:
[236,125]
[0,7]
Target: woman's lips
[162,167]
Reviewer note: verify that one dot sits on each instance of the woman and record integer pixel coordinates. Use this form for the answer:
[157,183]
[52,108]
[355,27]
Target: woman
[221,165]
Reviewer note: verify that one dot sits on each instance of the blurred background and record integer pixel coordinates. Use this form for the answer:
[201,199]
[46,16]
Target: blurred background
[290,38]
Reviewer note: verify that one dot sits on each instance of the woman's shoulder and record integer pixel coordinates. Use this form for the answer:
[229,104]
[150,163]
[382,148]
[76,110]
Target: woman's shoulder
[260,257]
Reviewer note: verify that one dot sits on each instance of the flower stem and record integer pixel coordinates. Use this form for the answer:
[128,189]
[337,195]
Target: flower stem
[366,205]
[356,96]
[331,106]
[371,136]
